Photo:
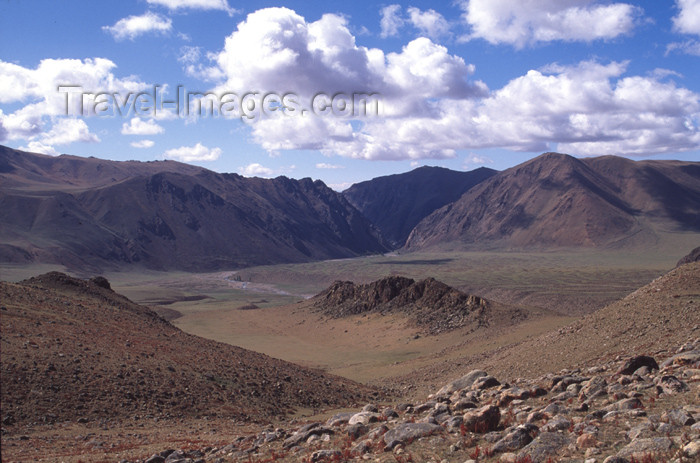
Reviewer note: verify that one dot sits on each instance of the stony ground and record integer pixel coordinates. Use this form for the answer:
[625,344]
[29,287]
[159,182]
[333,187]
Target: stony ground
[638,409]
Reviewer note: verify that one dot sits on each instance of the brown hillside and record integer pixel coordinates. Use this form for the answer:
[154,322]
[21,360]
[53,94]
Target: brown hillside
[73,349]
[557,200]
[653,320]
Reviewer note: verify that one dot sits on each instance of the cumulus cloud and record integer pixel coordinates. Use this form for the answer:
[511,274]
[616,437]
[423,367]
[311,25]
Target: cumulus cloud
[137,126]
[142,143]
[391,20]
[134,26]
[688,19]
[39,147]
[430,23]
[325,165]
[196,153]
[42,106]
[256,170]
[63,132]
[431,106]
[195,5]
[532,21]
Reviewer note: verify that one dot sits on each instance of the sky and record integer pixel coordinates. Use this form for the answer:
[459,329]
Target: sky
[345,91]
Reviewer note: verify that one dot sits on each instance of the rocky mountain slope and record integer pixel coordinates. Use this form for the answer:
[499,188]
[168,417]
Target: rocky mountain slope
[556,200]
[75,350]
[637,409]
[92,214]
[396,203]
[430,304]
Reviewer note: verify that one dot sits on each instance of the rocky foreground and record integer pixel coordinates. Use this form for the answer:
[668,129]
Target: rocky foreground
[638,409]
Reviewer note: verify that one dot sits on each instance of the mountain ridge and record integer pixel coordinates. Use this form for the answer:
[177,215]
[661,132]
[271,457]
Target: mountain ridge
[556,200]
[396,203]
[169,216]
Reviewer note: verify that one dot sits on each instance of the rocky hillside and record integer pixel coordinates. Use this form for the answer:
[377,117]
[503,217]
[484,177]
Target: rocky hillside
[636,409]
[556,200]
[429,304]
[73,350]
[92,214]
[396,203]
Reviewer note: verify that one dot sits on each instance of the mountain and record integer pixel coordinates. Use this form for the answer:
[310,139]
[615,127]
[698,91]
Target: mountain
[396,203]
[87,213]
[80,351]
[556,200]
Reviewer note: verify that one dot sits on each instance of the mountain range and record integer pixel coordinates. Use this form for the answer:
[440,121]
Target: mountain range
[556,200]
[96,214]
[92,215]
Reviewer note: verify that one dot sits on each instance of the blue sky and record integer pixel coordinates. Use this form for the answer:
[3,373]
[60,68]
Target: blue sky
[458,84]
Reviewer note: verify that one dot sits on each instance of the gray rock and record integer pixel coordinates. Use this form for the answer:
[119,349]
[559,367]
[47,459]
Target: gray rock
[364,418]
[362,447]
[637,362]
[679,417]
[686,358]
[640,447]
[356,430]
[546,445]
[304,433]
[632,403]
[408,432]
[461,383]
[323,455]
[340,418]
[515,440]
[370,408]
[558,423]
[485,382]
[672,385]
[463,404]
[156,459]
[616,459]
[482,420]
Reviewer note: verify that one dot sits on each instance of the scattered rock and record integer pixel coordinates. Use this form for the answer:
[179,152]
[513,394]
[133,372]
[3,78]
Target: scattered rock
[406,433]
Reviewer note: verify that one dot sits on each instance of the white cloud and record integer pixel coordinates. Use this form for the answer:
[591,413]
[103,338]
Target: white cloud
[689,47]
[195,5]
[134,26]
[142,143]
[66,131]
[325,165]
[276,50]
[196,153]
[391,21]
[475,160]
[340,187]
[431,108]
[41,104]
[39,147]
[688,19]
[256,170]
[531,21]
[430,23]
[137,126]
[63,132]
